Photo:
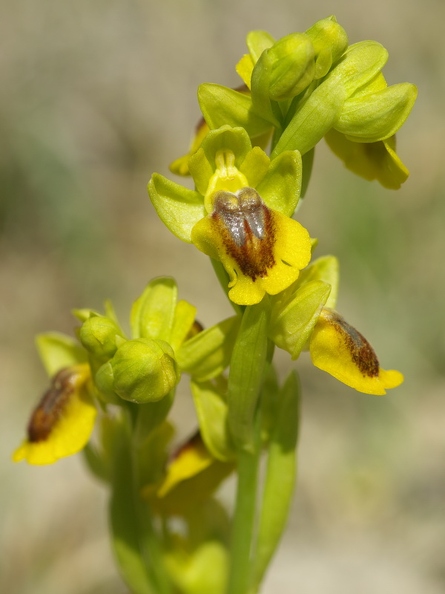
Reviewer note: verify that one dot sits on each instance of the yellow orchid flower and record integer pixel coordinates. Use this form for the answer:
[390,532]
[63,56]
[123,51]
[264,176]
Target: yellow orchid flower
[261,249]
[340,350]
[63,421]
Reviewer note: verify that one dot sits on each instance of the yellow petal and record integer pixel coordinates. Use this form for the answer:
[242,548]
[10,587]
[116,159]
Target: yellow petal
[337,348]
[192,458]
[62,423]
[261,249]
[191,478]
[371,160]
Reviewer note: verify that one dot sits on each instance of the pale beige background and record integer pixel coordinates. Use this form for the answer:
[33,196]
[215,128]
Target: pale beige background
[94,97]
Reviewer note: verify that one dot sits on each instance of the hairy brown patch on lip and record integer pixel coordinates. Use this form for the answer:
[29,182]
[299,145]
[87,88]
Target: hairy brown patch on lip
[362,353]
[52,404]
[246,227]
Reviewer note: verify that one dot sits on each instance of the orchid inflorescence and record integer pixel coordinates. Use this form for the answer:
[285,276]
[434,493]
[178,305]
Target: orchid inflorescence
[111,392]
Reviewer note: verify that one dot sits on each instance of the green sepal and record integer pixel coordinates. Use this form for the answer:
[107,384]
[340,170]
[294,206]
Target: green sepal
[184,318]
[208,353]
[377,116]
[257,42]
[56,350]
[221,105]
[152,314]
[292,66]
[246,374]
[178,208]
[359,65]
[280,477]
[212,413]
[292,322]
[330,41]
[280,188]
[201,170]
[260,91]
[324,269]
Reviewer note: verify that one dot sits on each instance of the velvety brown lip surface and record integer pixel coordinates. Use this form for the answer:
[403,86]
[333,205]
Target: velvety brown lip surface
[246,227]
[362,353]
[51,406]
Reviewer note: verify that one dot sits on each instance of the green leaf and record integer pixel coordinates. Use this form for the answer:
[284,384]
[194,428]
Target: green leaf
[57,351]
[178,208]
[280,477]
[246,374]
[221,106]
[152,314]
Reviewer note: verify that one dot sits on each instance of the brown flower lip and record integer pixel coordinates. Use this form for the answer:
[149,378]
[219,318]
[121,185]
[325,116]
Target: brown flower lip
[362,353]
[51,406]
[247,230]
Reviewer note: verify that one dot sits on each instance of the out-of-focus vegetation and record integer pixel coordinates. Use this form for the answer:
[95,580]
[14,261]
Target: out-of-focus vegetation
[94,98]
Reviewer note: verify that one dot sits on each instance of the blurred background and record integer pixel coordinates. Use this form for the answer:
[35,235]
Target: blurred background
[94,97]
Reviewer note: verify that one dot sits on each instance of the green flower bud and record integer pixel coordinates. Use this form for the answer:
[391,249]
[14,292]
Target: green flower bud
[290,65]
[98,336]
[330,41]
[142,370]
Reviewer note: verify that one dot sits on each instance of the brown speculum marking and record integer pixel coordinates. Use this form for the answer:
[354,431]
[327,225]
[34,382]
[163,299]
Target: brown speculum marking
[246,227]
[51,406]
[362,353]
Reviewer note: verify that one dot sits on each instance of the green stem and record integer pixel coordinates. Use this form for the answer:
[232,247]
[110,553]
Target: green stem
[243,523]
[136,545]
